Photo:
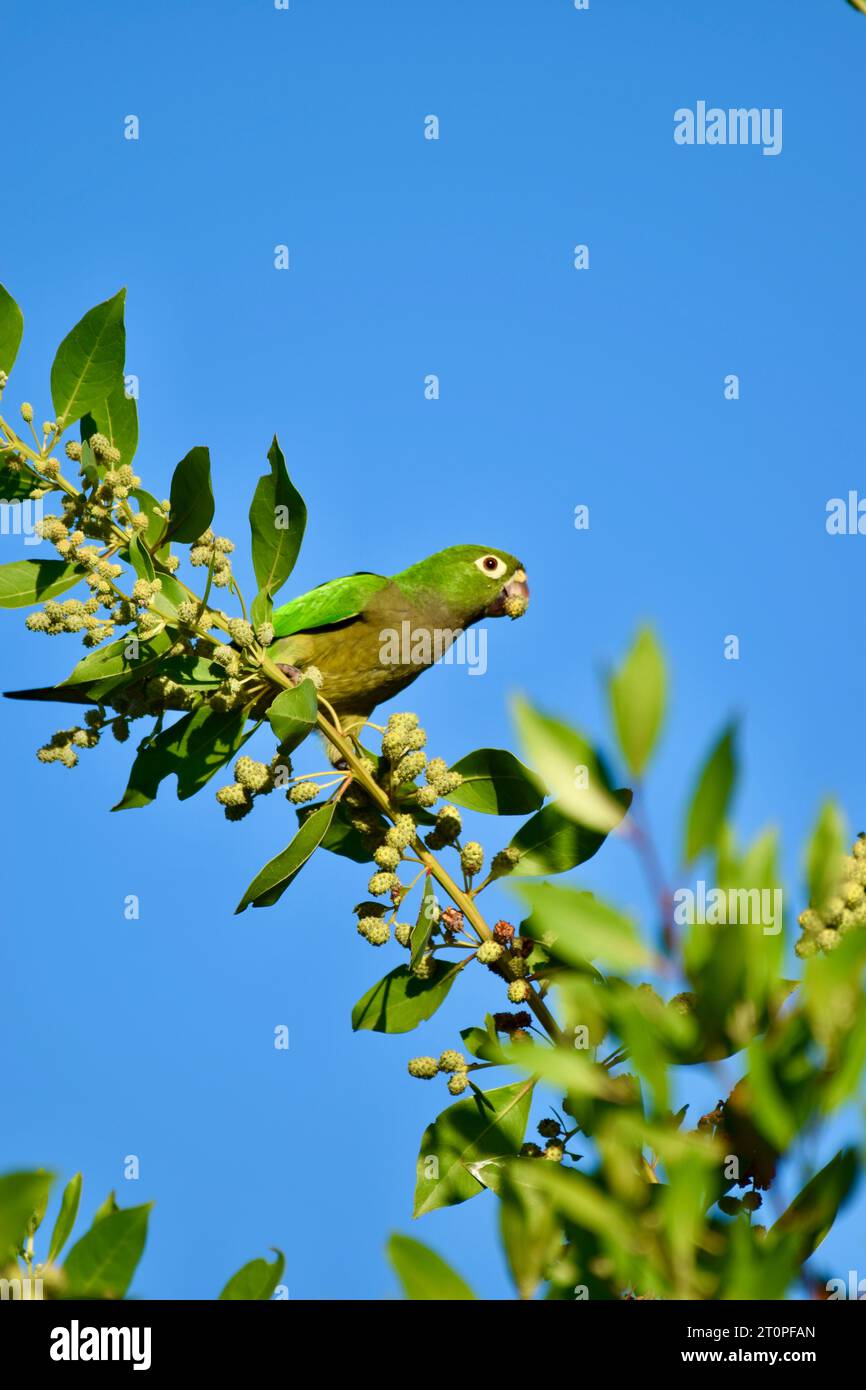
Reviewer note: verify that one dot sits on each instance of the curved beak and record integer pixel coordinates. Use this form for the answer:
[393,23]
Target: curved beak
[512,599]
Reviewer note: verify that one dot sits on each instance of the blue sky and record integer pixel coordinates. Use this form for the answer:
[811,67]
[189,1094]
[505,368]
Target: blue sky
[603,387]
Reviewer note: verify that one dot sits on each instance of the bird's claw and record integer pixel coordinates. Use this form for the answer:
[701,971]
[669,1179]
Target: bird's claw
[291,672]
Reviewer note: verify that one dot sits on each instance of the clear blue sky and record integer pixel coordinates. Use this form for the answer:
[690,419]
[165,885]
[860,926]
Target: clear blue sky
[603,387]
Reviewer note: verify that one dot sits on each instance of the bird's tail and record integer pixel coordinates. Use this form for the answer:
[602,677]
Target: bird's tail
[68,695]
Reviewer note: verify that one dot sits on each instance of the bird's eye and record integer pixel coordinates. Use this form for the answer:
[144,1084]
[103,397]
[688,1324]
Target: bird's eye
[491,565]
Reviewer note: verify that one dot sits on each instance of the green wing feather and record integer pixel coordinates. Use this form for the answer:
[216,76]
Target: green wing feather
[333,602]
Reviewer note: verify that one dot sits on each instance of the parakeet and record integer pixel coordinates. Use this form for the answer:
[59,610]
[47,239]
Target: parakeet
[368,636]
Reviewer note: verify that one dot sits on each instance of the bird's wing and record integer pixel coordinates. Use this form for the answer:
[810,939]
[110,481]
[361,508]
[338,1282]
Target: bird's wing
[333,602]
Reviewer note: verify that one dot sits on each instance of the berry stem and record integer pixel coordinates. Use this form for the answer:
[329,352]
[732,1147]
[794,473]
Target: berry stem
[335,736]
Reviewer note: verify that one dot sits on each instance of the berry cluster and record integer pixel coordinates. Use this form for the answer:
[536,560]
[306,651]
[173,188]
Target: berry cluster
[554,1150]
[65,746]
[104,519]
[825,925]
[451,1063]
[252,779]
[213,552]
[507,956]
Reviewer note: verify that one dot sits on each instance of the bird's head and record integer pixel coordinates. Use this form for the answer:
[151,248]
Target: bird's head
[474,582]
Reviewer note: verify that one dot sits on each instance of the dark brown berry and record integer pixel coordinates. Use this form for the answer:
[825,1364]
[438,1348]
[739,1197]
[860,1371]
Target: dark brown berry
[452,919]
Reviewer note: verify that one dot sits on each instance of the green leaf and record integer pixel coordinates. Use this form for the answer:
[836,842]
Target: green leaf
[824,854]
[101,1264]
[192,504]
[112,660]
[21,1195]
[116,418]
[400,1001]
[575,927]
[140,559]
[106,1208]
[65,1217]
[733,965]
[256,1280]
[121,422]
[637,697]
[566,1068]
[168,599]
[772,1115]
[425,1276]
[813,1211]
[40,1210]
[15,487]
[89,469]
[193,672]
[32,581]
[11,330]
[278,519]
[531,1233]
[648,1031]
[272,881]
[831,985]
[570,767]
[261,610]
[292,715]
[486,1125]
[756,1269]
[497,783]
[425,922]
[552,843]
[89,362]
[480,1044]
[155,524]
[344,840]
[709,805]
[194,748]
[581,1202]
[341,837]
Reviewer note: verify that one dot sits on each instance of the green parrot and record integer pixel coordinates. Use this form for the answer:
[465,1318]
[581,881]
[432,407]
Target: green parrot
[369,636]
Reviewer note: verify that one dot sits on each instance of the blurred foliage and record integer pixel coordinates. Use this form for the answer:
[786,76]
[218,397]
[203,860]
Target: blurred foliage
[102,1262]
[657,1206]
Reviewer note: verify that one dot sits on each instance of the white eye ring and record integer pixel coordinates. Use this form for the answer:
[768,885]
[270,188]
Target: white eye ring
[494,570]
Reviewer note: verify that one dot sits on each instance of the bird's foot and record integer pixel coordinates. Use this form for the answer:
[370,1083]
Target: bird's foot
[344,785]
[291,672]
